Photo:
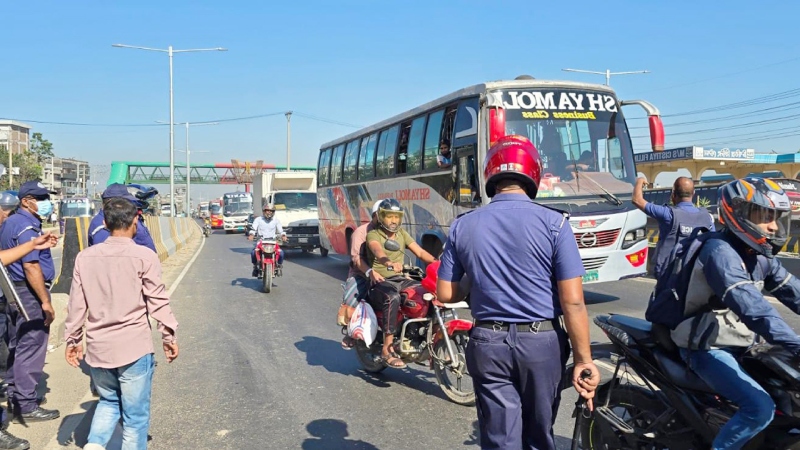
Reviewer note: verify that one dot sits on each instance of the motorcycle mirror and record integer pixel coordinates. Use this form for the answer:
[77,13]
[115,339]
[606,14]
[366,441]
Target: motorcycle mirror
[392,245]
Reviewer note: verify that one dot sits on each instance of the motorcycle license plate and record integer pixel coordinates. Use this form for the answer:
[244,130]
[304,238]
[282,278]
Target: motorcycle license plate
[303,240]
[591,275]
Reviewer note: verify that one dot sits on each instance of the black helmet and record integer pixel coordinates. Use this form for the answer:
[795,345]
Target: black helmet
[8,200]
[749,202]
[389,206]
[142,194]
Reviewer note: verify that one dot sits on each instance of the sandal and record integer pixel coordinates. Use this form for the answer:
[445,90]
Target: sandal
[348,343]
[393,361]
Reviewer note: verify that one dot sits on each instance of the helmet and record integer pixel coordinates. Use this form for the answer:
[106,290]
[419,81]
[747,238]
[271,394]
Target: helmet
[8,200]
[389,206]
[747,204]
[513,157]
[269,208]
[376,206]
[142,194]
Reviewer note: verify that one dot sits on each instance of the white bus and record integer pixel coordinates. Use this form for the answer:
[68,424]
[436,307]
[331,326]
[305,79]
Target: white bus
[572,124]
[236,208]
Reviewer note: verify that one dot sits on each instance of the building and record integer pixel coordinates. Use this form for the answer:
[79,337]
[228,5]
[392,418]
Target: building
[15,136]
[68,177]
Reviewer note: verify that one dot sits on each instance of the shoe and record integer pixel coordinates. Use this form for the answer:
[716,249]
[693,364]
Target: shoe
[38,415]
[255,271]
[9,441]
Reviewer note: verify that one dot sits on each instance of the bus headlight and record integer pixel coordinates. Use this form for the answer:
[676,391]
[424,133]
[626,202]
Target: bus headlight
[633,237]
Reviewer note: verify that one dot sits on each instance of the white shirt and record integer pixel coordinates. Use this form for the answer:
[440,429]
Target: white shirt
[268,229]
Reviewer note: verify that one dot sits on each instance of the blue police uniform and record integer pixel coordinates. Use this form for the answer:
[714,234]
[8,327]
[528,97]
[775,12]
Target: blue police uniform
[99,233]
[675,223]
[27,339]
[514,251]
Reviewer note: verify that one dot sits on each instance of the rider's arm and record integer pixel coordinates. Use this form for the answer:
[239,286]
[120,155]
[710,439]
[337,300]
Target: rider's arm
[256,224]
[730,281]
[450,270]
[638,195]
[783,285]
[418,251]
[279,228]
[377,249]
[357,241]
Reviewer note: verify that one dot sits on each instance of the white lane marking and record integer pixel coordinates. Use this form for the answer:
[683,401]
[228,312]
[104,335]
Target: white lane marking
[338,258]
[186,269]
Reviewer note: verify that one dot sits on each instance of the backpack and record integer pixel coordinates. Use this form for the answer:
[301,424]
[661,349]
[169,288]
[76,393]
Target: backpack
[667,305]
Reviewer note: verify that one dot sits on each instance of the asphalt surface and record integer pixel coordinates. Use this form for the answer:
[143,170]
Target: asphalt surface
[263,370]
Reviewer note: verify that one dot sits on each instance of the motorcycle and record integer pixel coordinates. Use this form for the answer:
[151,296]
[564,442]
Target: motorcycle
[206,229]
[430,333]
[267,251]
[654,401]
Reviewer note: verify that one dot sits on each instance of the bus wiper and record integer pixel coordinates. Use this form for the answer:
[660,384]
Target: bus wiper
[611,197]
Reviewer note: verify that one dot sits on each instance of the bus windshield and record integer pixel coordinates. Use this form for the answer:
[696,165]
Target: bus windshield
[75,207]
[215,208]
[295,200]
[582,139]
[237,204]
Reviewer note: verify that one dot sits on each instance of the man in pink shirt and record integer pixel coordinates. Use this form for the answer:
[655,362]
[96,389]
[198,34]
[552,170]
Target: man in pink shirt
[116,288]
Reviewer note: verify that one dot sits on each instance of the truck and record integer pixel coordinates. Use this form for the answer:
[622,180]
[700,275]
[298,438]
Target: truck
[294,195]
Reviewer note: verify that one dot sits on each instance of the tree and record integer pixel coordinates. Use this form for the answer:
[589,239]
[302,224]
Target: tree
[41,148]
[29,168]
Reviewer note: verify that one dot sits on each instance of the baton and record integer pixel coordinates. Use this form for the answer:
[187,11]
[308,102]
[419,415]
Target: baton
[580,409]
[11,293]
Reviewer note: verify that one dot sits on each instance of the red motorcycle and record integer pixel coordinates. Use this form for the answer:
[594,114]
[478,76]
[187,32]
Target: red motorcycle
[430,334]
[267,251]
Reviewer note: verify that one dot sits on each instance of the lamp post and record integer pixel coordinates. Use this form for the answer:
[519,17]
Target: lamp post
[187,207]
[170,51]
[607,73]
[288,139]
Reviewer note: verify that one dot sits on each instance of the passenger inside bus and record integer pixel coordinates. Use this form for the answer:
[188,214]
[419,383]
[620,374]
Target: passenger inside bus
[550,146]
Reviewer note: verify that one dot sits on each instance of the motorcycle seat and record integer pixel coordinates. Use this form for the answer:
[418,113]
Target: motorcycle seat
[640,330]
[456,305]
[681,375]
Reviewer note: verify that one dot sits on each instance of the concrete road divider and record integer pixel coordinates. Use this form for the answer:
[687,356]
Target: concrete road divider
[169,235]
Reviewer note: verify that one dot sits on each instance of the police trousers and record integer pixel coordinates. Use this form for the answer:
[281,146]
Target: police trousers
[27,348]
[517,375]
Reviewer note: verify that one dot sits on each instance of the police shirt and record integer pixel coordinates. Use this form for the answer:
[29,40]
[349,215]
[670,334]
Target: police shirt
[664,215]
[17,229]
[514,251]
[99,233]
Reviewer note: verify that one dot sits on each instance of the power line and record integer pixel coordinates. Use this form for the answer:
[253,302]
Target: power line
[732,127]
[771,110]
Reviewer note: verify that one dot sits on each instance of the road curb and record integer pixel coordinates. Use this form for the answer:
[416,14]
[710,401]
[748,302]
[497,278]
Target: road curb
[78,413]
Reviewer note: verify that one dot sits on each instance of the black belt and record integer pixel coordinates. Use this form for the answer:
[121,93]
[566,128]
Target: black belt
[23,283]
[533,327]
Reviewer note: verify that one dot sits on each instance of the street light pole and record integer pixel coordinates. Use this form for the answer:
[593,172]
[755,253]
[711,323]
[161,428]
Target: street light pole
[170,52]
[288,139]
[607,73]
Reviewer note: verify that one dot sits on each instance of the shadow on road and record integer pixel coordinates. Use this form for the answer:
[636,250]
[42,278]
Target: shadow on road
[328,353]
[249,282]
[333,267]
[242,250]
[332,434]
[595,298]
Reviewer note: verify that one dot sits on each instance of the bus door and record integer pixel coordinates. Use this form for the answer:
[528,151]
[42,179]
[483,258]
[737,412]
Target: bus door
[465,161]
[467,189]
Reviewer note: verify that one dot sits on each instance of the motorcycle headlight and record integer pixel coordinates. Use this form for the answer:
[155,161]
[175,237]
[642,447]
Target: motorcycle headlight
[269,248]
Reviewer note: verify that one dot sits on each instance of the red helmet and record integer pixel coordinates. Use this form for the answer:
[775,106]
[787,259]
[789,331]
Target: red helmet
[513,157]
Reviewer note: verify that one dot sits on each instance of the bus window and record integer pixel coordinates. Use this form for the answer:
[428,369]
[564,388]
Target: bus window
[468,193]
[388,144]
[336,167]
[323,168]
[414,156]
[402,147]
[350,162]
[366,168]
[448,123]
[466,127]
[432,135]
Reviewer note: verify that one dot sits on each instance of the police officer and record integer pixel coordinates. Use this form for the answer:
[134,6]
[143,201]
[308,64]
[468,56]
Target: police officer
[8,203]
[97,230]
[525,276]
[32,276]
[674,222]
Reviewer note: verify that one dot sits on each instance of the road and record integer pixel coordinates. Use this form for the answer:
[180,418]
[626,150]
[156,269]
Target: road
[266,370]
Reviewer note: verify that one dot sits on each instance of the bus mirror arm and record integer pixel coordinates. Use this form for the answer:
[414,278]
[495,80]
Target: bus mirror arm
[654,119]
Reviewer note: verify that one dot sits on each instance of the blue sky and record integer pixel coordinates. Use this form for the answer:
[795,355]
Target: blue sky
[360,62]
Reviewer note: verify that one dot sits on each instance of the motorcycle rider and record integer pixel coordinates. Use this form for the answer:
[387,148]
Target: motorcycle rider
[388,264]
[266,227]
[737,263]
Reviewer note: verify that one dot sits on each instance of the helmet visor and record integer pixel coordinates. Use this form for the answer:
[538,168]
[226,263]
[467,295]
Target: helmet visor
[772,223]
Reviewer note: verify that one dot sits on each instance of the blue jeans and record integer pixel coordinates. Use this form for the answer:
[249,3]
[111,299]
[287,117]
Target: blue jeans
[124,390]
[720,370]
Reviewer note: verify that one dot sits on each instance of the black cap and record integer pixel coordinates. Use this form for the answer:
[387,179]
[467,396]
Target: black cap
[34,189]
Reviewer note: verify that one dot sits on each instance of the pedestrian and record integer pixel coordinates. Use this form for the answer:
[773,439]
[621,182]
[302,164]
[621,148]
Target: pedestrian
[116,288]
[524,279]
[32,277]
[98,232]
[54,218]
[675,222]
